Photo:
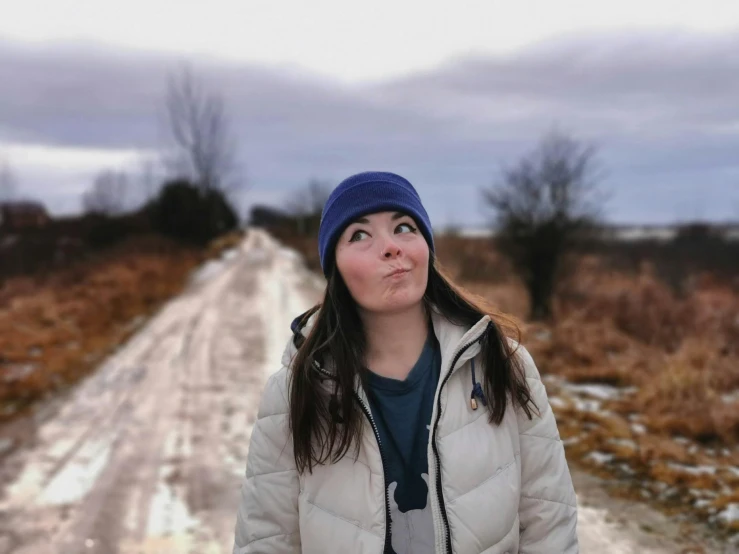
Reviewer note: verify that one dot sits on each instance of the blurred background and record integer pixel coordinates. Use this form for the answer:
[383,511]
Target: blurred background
[163,167]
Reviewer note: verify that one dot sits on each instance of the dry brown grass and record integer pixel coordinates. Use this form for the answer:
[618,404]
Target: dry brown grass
[682,353]
[55,328]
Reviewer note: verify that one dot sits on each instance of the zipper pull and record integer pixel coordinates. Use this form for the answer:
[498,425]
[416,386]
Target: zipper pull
[476,390]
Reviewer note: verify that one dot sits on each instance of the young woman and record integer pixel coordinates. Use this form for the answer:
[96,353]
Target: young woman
[406,418]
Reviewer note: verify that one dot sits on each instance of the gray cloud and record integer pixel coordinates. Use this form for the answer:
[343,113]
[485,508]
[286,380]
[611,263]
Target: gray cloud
[660,106]
[631,79]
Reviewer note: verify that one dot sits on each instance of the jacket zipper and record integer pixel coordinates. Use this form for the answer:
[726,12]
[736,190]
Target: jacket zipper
[368,414]
[439,493]
[388,520]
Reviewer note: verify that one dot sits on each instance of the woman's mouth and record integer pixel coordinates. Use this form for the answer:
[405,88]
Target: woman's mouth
[398,273]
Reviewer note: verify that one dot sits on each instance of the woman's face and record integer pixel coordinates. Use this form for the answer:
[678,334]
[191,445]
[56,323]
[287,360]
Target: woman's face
[383,259]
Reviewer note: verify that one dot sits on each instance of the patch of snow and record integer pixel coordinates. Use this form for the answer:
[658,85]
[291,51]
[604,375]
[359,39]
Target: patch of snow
[79,476]
[693,470]
[628,443]
[587,405]
[599,390]
[256,254]
[168,514]
[730,514]
[597,532]
[131,519]
[603,392]
[290,253]
[670,492]
[638,428]
[207,271]
[551,379]
[599,457]
[730,398]
[557,402]
[16,372]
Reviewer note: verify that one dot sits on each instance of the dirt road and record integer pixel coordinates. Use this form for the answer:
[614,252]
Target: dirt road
[148,454]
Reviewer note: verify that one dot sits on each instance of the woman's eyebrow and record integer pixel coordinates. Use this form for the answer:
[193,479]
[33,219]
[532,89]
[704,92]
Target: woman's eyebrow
[396,215]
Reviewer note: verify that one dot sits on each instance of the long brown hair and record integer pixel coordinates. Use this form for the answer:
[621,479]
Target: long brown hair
[325,425]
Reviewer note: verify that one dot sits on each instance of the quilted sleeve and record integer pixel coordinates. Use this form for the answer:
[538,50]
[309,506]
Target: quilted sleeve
[267,517]
[548,505]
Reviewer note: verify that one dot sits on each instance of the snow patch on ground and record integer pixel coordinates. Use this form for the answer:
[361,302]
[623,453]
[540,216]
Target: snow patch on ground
[600,457]
[730,514]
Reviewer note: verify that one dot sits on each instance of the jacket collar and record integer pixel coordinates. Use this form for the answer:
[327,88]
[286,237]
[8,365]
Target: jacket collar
[451,337]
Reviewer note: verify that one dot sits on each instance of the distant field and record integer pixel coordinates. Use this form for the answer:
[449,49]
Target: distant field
[729,231]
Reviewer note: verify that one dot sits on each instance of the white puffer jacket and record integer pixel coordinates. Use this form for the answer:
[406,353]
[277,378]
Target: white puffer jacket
[494,489]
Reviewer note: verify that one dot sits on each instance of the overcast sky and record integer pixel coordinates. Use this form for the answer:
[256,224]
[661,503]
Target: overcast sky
[441,95]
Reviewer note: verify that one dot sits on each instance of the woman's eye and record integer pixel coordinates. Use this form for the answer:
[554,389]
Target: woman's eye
[411,227]
[354,236]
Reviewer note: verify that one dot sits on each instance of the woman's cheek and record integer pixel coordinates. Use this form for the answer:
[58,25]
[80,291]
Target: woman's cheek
[358,278]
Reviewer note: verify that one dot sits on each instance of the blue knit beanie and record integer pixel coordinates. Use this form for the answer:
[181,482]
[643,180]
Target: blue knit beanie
[367,193]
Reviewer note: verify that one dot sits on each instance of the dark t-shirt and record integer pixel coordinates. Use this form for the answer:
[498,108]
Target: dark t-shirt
[402,413]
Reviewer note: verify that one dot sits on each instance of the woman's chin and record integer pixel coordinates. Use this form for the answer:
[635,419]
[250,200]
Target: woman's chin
[398,301]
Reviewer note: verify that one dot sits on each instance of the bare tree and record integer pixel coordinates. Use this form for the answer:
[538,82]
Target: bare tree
[8,181]
[148,178]
[108,194]
[306,205]
[204,147]
[540,205]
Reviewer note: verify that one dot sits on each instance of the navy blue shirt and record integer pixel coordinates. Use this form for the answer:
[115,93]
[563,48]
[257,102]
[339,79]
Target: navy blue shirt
[402,413]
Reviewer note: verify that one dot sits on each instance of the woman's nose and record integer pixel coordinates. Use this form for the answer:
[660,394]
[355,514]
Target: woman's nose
[391,249]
